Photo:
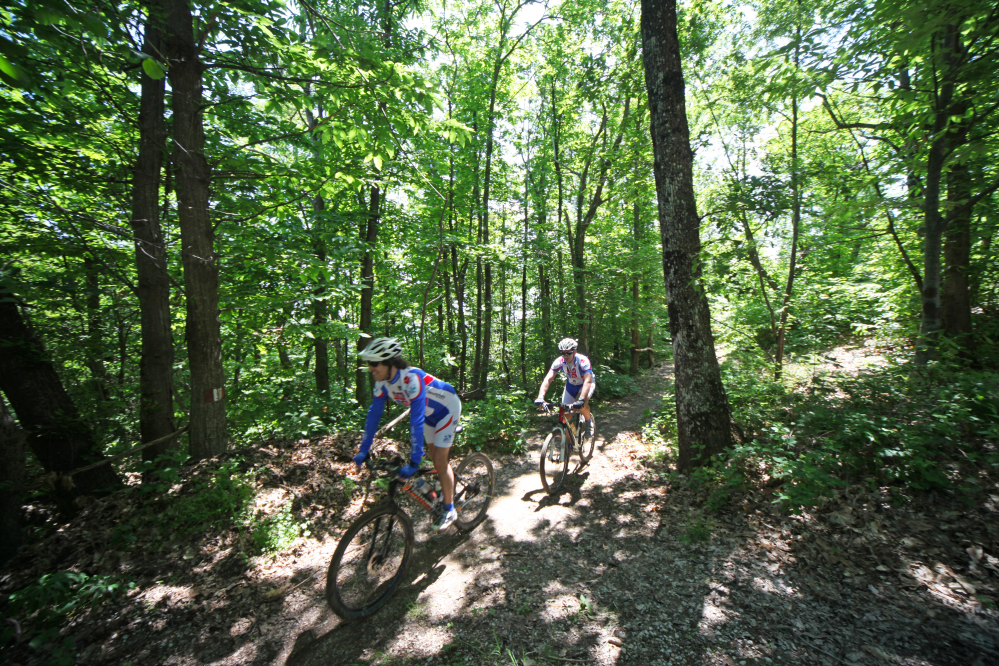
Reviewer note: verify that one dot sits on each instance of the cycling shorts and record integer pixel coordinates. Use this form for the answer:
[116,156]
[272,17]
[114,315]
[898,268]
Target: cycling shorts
[571,392]
[442,434]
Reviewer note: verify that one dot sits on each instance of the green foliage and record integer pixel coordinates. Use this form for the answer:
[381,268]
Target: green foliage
[722,478]
[896,428]
[696,532]
[216,500]
[660,427]
[47,604]
[613,385]
[499,422]
[273,533]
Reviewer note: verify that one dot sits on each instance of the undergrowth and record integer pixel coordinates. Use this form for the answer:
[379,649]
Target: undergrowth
[935,429]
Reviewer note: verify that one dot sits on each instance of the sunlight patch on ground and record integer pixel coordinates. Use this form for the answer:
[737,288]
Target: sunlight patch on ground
[427,643]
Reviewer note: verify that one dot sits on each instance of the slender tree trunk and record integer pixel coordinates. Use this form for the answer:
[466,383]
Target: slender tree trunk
[795,221]
[201,265]
[369,239]
[60,439]
[934,224]
[320,304]
[95,342]
[702,411]
[523,288]
[636,224]
[156,391]
[956,297]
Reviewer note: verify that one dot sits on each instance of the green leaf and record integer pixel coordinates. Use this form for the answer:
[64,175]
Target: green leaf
[9,69]
[153,69]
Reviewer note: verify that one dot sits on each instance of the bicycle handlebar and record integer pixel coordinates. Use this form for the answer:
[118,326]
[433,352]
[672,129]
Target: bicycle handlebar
[546,408]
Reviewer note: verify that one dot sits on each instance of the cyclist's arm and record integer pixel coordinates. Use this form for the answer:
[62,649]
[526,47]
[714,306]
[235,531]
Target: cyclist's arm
[587,383]
[371,423]
[545,383]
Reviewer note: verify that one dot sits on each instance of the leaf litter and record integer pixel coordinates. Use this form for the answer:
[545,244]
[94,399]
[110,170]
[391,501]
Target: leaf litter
[603,574]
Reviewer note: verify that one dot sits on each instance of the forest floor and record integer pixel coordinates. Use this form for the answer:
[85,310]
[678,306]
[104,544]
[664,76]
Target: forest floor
[623,567]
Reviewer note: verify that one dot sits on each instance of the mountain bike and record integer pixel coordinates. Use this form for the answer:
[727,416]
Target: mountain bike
[562,442]
[373,554]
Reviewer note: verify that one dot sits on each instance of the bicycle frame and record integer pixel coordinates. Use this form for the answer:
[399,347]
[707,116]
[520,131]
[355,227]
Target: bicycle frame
[406,485]
[563,412]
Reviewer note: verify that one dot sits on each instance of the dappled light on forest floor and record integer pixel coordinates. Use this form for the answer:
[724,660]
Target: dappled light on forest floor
[624,566]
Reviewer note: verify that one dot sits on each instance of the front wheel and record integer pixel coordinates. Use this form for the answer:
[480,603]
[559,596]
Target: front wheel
[554,460]
[369,562]
[473,490]
[586,442]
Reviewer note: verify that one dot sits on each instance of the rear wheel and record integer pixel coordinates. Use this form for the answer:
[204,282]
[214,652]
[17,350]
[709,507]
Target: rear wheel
[554,460]
[369,562]
[473,490]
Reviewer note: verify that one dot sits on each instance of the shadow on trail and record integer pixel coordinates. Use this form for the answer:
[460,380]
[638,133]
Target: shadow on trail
[614,570]
[613,579]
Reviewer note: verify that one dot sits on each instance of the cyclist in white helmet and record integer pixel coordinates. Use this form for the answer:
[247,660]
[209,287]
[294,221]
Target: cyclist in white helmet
[580,381]
[434,410]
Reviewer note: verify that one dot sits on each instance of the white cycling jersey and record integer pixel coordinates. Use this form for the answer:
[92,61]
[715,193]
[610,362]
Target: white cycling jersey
[574,371]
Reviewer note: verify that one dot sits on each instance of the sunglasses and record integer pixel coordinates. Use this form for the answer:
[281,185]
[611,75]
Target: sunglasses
[374,364]
[567,354]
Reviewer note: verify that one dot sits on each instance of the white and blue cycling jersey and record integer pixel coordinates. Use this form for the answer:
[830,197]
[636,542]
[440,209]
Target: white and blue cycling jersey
[434,409]
[575,372]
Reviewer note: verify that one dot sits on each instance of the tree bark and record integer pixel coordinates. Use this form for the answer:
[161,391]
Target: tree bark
[369,239]
[156,390]
[934,224]
[636,224]
[60,439]
[795,222]
[702,411]
[956,296]
[208,435]
[320,304]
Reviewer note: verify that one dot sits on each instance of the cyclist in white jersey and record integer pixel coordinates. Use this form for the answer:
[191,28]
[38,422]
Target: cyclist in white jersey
[580,381]
[434,410]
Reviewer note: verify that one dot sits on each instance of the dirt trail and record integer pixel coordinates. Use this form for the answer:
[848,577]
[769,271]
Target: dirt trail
[609,572]
[603,574]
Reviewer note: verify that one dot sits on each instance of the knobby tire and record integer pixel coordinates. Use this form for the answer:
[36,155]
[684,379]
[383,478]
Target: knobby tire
[586,444]
[474,482]
[369,562]
[554,461]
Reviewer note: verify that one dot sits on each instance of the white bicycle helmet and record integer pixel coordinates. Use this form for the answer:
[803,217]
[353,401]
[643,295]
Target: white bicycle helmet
[567,344]
[381,350]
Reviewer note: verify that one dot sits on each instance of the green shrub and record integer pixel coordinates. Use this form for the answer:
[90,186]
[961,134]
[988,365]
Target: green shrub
[270,534]
[895,427]
[500,421]
[216,500]
[46,605]
[613,385]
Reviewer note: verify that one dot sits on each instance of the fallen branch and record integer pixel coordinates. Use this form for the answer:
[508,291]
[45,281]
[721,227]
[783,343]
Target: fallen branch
[393,423]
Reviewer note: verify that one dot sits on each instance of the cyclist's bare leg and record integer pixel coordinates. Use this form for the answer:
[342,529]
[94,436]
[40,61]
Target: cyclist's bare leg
[444,473]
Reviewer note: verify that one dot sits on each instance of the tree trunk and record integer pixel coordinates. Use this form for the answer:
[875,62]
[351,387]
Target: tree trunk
[795,222]
[523,287]
[12,439]
[636,224]
[934,224]
[156,391]
[956,297]
[702,411]
[60,439]
[369,239]
[95,342]
[201,267]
